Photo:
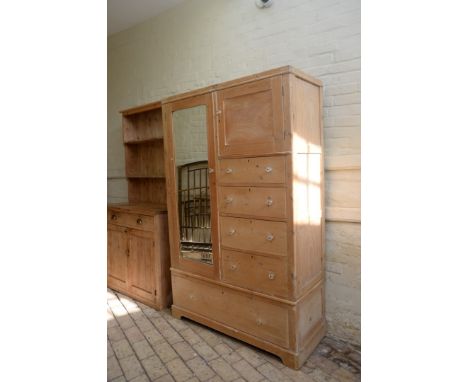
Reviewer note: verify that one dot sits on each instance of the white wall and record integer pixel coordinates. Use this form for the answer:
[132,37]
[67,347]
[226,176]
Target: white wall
[203,42]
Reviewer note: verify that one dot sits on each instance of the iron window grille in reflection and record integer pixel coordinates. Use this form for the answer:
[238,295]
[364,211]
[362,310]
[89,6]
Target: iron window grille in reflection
[194,212]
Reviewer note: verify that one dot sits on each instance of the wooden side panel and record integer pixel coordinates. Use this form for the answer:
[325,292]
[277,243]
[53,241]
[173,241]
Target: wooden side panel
[310,314]
[307,218]
[142,274]
[264,274]
[117,251]
[262,202]
[253,235]
[254,315]
[145,159]
[143,126]
[306,116]
[162,261]
[147,190]
[250,118]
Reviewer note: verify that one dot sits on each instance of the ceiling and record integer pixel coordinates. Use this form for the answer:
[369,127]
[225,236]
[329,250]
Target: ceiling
[123,14]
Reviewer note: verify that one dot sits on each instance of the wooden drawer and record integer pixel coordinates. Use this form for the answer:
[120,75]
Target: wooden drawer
[254,315]
[253,201]
[254,235]
[143,222]
[260,273]
[252,170]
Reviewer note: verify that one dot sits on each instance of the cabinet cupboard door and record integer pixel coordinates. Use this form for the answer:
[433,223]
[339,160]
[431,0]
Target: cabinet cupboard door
[117,258]
[250,118]
[141,265]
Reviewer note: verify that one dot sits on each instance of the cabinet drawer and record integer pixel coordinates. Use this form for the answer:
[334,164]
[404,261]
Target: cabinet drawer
[252,170]
[260,273]
[253,201]
[137,221]
[254,235]
[242,311]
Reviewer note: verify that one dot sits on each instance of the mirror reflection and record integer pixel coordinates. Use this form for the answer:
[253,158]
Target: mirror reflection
[193,188]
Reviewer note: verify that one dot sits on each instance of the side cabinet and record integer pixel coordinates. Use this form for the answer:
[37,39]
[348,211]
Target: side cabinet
[138,255]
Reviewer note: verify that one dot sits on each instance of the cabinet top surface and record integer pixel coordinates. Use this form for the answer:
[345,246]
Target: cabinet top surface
[139,208]
[223,85]
[245,79]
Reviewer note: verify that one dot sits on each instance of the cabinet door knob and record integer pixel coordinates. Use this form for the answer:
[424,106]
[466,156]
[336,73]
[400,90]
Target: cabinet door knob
[139,221]
[228,171]
[114,217]
[270,237]
[268,169]
[271,275]
[259,321]
[269,201]
[228,200]
[233,267]
[210,171]
[232,231]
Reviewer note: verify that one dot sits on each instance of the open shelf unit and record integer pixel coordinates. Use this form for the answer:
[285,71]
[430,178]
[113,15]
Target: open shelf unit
[144,154]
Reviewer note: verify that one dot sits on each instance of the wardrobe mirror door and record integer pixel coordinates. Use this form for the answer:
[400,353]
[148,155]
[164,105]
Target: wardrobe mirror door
[192,181]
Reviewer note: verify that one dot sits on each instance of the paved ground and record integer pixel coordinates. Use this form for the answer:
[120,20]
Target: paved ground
[146,345]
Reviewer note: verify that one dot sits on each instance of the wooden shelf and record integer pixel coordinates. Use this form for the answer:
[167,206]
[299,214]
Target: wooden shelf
[146,177]
[146,140]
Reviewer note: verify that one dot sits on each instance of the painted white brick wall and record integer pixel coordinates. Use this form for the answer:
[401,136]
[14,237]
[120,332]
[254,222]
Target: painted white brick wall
[202,42]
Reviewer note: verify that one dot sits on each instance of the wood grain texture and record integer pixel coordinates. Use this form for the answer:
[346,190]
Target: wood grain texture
[142,126]
[265,274]
[256,202]
[145,159]
[267,319]
[258,236]
[137,231]
[249,118]
[117,252]
[268,172]
[252,171]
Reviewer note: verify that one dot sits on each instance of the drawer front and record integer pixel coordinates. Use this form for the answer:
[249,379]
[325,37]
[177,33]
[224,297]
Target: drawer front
[259,273]
[137,221]
[254,235]
[254,315]
[252,170]
[253,201]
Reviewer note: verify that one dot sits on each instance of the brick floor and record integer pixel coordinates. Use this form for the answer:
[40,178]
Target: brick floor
[147,345]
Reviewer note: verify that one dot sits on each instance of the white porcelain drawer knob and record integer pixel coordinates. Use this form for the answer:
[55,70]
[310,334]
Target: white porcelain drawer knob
[268,169]
[233,267]
[269,201]
[231,232]
[259,321]
[270,237]
[271,275]
[228,171]
[228,200]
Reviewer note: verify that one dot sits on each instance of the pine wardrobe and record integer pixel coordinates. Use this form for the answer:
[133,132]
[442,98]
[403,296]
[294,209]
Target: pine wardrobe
[244,178]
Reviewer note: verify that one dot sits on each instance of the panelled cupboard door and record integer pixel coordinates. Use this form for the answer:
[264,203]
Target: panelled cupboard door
[250,118]
[117,252]
[141,265]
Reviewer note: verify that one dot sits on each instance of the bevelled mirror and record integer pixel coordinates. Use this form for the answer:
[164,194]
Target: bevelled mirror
[192,183]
